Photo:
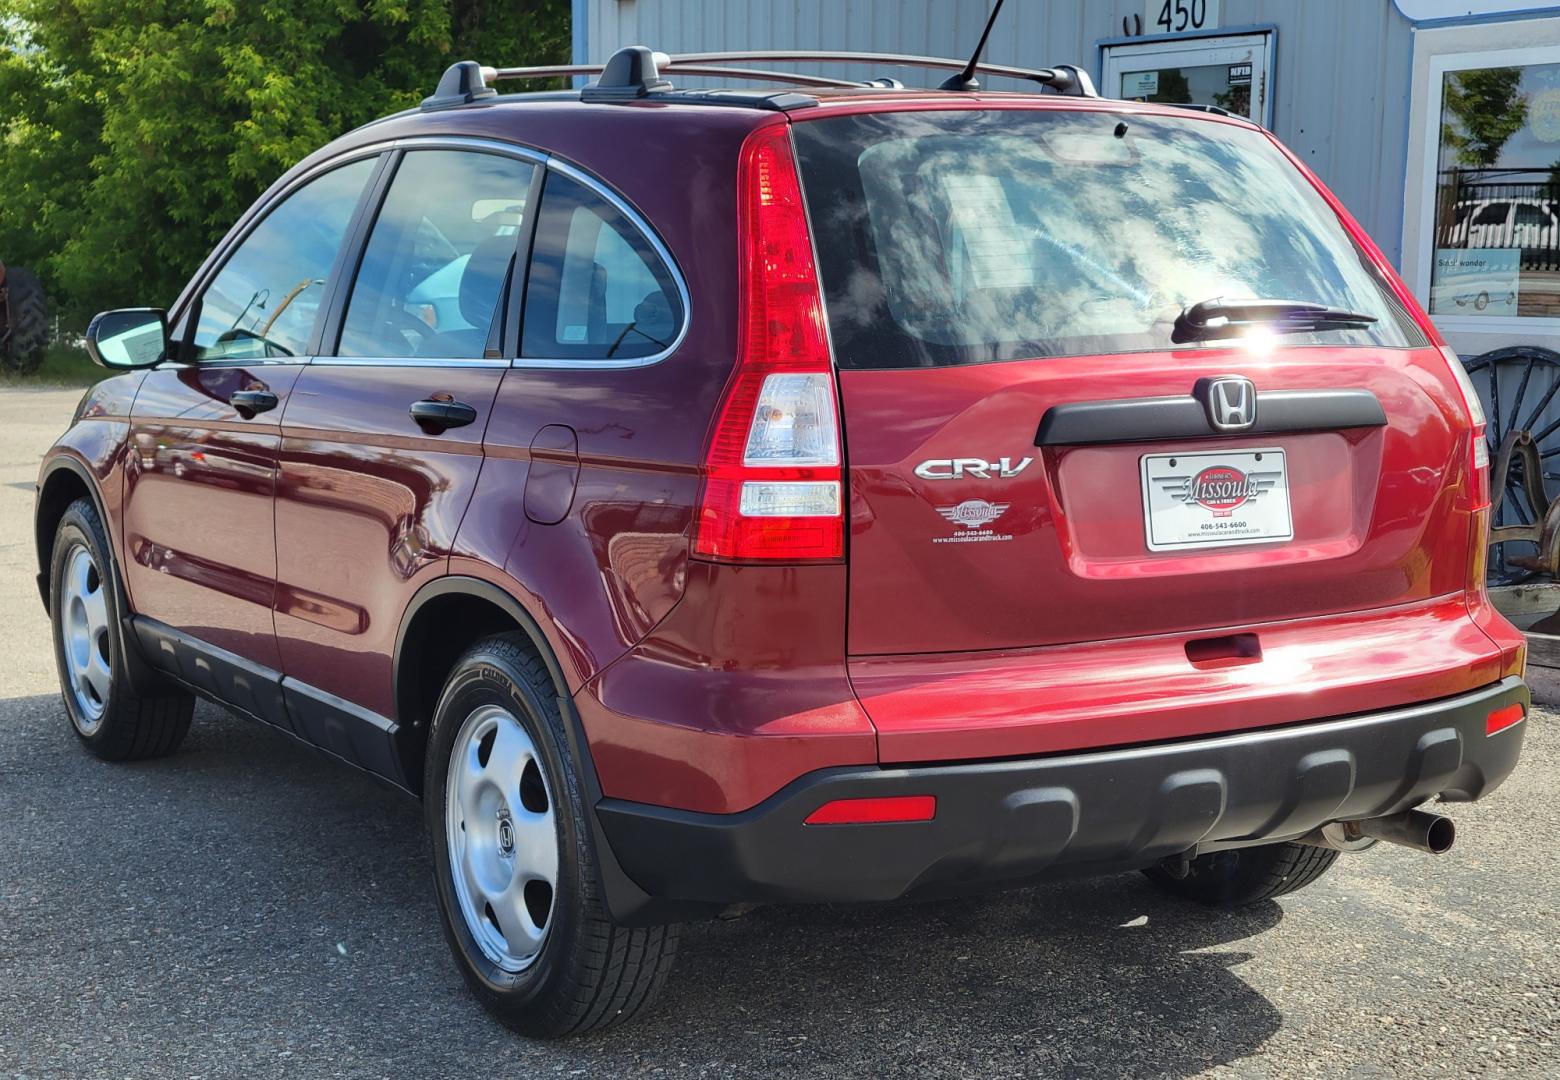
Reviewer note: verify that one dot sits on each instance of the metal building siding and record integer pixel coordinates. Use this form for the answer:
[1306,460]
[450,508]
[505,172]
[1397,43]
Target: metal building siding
[1341,79]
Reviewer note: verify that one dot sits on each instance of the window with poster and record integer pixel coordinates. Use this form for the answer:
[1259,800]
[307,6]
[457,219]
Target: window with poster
[1230,71]
[1494,252]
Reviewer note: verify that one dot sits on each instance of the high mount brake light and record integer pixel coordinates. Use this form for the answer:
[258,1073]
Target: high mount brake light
[773,485]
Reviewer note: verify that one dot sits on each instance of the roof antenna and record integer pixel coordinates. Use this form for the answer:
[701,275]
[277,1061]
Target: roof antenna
[966,80]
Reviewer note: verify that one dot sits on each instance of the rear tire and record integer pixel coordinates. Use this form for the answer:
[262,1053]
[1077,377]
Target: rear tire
[29,321]
[515,868]
[109,717]
[1244,876]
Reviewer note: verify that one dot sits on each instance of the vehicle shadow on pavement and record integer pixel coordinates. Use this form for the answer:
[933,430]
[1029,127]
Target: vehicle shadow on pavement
[1094,977]
[246,900]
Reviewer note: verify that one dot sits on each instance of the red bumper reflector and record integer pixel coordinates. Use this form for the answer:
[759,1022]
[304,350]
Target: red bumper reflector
[1503,718]
[875,811]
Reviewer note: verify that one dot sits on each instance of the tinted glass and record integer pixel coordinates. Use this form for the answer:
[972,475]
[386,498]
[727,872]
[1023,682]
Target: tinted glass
[963,237]
[265,299]
[597,290]
[433,273]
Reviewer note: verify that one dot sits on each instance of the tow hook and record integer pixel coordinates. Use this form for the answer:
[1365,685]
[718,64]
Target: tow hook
[1432,833]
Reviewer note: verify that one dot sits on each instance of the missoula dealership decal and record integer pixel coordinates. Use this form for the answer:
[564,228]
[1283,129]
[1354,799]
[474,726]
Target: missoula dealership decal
[974,515]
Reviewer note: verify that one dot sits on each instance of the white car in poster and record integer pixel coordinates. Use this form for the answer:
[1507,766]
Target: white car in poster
[1475,294]
[1528,224]
[1483,299]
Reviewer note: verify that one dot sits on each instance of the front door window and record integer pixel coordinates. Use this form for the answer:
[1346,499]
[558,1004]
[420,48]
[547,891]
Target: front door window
[264,302]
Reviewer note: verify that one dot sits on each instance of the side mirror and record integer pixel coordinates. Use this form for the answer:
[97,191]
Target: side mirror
[128,338]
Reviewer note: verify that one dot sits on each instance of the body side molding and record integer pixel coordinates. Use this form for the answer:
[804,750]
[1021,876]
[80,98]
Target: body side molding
[339,728]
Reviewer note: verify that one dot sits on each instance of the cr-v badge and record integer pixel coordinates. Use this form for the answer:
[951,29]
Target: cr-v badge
[973,467]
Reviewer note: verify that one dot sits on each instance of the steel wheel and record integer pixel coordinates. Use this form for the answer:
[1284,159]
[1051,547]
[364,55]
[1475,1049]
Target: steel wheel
[1519,388]
[84,636]
[502,836]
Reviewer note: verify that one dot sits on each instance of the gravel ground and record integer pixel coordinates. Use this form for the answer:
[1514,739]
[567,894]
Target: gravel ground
[245,909]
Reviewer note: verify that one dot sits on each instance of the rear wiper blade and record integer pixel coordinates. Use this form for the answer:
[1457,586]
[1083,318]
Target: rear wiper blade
[1212,320]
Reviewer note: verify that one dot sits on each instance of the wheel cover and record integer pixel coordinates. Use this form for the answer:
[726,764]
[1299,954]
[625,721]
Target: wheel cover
[502,837]
[84,639]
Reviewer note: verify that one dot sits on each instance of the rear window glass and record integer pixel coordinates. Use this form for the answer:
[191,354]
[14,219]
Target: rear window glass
[961,237]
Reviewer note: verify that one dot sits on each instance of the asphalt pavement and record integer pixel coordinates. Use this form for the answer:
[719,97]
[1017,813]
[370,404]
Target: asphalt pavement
[246,909]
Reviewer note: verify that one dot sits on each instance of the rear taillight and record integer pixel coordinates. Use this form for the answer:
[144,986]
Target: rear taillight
[1477,492]
[773,486]
[1479,449]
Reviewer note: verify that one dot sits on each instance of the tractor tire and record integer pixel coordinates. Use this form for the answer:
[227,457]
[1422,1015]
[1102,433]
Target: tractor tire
[29,321]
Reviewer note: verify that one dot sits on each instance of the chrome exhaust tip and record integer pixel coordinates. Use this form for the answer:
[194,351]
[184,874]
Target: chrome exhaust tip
[1430,833]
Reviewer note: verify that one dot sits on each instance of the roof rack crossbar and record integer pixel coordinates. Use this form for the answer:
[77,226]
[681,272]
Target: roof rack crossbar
[638,71]
[1063,77]
[717,71]
[675,66]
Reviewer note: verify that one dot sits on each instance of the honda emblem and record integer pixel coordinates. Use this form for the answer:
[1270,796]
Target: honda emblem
[1231,402]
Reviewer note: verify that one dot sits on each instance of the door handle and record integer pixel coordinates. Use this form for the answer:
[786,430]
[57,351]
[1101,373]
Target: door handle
[250,403]
[436,417]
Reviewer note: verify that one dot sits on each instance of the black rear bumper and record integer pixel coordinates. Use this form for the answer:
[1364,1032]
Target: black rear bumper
[1006,822]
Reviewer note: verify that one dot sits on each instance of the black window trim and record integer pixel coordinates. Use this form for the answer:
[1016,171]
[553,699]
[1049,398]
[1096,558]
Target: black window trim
[186,310]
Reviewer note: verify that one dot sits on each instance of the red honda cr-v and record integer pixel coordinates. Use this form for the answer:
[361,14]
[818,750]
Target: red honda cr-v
[702,496]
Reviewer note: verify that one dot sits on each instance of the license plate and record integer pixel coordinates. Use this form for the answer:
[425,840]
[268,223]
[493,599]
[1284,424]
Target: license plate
[1216,499]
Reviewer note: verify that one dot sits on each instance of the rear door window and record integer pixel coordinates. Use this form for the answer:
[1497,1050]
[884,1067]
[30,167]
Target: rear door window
[962,237]
[441,250]
[597,288]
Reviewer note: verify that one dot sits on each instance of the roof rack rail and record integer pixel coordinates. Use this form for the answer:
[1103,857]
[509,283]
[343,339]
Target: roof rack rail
[636,72]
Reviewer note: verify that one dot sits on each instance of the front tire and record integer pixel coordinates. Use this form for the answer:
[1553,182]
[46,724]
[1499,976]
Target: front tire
[515,870]
[1244,876]
[112,720]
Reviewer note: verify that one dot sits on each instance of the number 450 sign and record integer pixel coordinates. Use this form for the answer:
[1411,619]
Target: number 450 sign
[1180,16]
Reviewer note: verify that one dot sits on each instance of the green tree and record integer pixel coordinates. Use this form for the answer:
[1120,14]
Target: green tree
[134,132]
[1173,87]
[1488,108]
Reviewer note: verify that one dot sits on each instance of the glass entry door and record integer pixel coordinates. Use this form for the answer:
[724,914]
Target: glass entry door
[1230,72]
